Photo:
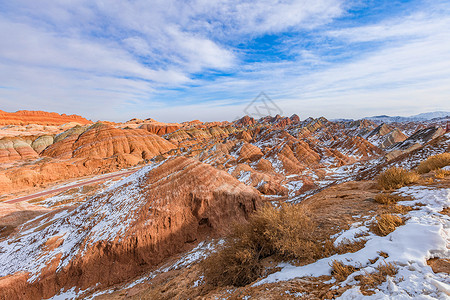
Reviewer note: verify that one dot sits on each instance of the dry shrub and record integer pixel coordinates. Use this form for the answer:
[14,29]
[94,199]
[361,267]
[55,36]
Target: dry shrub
[399,209]
[385,198]
[386,223]
[350,246]
[441,173]
[433,163]
[341,271]
[372,280]
[237,263]
[394,178]
[286,232]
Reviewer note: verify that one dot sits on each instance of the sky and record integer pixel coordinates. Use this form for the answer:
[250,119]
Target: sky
[182,60]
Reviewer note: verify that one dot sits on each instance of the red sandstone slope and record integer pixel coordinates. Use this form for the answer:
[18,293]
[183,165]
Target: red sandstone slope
[101,141]
[23,117]
[155,213]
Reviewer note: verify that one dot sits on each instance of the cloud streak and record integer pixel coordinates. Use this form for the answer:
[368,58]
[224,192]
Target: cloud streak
[178,60]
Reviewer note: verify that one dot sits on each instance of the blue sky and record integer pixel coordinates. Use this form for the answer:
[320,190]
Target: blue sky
[183,60]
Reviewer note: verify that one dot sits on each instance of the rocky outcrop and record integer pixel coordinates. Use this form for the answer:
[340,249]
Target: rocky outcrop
[14,149]
[249,153]
[42,142]
[294,118]
[415,141]
[160,129]
[155,213]
[245,121]
[394,137]
[101,141]
[24,117]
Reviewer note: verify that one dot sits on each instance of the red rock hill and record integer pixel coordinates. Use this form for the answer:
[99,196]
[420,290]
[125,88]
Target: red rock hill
[24,117]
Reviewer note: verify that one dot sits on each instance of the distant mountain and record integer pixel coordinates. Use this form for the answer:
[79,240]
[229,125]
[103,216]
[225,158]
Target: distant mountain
[416,118]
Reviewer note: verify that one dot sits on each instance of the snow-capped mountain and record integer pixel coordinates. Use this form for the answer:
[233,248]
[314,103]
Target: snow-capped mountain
[416,118]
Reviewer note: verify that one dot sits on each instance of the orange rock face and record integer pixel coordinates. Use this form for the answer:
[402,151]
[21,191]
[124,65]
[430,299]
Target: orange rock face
[160,129]
[13,149]
[100,141]
[134,225]
[201,177]
[23,117]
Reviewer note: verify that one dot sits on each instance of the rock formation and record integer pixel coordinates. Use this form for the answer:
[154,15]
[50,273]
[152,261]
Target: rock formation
[101,141]
[159,211]
[24,117]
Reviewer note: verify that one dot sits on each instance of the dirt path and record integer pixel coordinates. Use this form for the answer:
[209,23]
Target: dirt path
[68,187]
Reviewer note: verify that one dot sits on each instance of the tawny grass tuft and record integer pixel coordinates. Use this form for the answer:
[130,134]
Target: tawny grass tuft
[395,178]
[284,233]
[386,198]
[386,223]
[341,271]
[442,173]
[369,281]
[434,162]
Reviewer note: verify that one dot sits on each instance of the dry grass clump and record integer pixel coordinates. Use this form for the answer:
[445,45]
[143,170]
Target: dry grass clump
[350,246]
[385,198]
[286,232]
[433,163]
[385,224]
[399,209]
[441,173]
[341,271]
[395,178]
[372,280]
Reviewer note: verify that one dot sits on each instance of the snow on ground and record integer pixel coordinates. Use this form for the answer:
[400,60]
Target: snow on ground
[107,216]
[294,186]
[200,252]
[425,235]
[64,199]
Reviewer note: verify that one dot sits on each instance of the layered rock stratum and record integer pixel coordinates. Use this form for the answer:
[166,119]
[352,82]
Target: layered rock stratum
[192,181]
[24,117]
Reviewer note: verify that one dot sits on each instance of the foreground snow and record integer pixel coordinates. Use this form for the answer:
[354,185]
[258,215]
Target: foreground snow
[103,217]
[425,235]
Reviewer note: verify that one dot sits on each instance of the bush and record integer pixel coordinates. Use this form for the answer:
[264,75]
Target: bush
[385,198]
[433,163]
[386,224]
[441,173]
[286,233]
[372,280]
[395,178]
[341,271]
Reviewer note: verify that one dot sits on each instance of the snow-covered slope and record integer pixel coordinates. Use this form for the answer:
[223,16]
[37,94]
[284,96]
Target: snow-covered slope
[425,235]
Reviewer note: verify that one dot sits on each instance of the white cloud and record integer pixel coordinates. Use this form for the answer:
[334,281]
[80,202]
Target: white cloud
[119,59]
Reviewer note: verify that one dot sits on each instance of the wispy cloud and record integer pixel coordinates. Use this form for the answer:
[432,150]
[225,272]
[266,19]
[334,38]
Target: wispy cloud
[177,60]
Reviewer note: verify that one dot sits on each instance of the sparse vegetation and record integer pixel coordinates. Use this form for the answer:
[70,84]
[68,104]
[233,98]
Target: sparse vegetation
[395,178]
[286,233]
[350,246]
[370,281]
[399,209]
[341,271]
[434,162]
[385,224]
[386,198]
[390,203]
[442,173]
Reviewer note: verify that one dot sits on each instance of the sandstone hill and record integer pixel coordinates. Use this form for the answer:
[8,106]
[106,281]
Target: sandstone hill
[23,117]
[124,231]
[147,235]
